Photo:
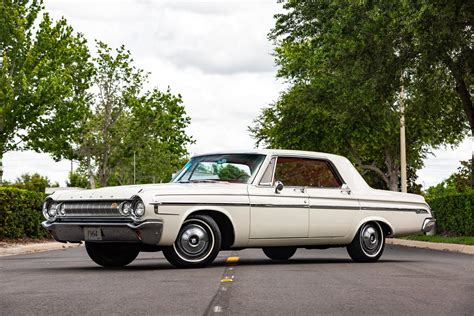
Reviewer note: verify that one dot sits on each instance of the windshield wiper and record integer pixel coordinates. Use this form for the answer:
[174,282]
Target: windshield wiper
[201,181]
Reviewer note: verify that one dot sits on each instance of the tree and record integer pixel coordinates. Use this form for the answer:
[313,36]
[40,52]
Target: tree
[44,75]
[456,183]
[346,64]
[33,182]
[231,172]
[127,123]
[77,180]
[441,36]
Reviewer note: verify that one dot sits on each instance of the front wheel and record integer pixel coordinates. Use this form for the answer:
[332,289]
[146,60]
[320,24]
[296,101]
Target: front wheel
[197,245]
[368,244]
[112,254]
[279,253]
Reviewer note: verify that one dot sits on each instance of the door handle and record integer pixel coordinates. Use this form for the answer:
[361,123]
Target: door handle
[302,190]
[345,189]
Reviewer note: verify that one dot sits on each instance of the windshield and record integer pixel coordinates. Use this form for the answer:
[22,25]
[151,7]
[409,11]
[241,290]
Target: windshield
[236,168]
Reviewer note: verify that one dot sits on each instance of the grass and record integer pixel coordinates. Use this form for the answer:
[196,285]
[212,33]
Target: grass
[465,240]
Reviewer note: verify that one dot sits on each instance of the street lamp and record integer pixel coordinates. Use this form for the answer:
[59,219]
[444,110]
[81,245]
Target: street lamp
[403,154]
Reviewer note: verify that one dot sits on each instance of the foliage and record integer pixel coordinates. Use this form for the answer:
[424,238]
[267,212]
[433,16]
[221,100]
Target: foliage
[20,213]
[231,172]
[34,182]
[127,123]
[458,182]
[44,75]
[346,63]
[454,213]
[77,180]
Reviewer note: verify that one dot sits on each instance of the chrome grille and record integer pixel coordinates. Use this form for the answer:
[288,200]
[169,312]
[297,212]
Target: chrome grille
[108,208]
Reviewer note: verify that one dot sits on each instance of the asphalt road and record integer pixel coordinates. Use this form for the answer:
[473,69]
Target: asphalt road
[405,281]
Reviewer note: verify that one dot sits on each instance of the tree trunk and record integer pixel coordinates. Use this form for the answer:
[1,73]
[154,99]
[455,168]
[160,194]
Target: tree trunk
[472,160]
[1,168]
[393,181]
[463,92]
[90,173]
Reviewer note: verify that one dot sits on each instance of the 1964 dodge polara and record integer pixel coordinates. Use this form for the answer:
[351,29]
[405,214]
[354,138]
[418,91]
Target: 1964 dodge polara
[277,200]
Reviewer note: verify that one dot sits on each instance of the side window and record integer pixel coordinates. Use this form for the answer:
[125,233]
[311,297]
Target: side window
[306,172]
[267,178]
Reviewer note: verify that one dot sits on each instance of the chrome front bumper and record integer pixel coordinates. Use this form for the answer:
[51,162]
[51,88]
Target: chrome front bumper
[428,224]
[148,232]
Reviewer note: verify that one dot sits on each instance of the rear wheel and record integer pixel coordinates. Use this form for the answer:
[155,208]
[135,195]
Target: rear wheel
[279,253]
[368,244]
[112,254]
[197,245]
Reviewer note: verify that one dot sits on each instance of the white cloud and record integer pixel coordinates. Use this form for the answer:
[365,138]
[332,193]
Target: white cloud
[444,162]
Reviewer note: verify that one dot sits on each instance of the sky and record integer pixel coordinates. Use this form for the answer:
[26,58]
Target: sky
[214,53]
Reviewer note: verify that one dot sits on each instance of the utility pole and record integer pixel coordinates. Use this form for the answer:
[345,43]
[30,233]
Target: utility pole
[134,169]
[403,154]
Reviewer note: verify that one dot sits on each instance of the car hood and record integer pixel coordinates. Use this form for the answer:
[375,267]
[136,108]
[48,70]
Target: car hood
[126,192]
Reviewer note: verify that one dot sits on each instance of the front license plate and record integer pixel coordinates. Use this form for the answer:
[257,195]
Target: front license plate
[92,233]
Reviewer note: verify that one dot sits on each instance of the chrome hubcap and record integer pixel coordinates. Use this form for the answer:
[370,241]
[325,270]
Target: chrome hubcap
[193,241]
[370,240]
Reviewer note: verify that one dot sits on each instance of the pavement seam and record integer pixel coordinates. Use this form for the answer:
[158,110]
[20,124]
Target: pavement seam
[220,300]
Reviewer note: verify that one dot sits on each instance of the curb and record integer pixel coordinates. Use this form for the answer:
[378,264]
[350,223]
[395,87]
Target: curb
[35,247]
[466,249]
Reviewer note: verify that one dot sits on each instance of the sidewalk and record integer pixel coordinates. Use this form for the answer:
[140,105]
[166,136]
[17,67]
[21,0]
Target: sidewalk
[21,249]
[467,249]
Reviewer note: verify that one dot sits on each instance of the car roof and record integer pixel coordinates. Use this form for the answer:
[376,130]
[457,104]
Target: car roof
[275,152]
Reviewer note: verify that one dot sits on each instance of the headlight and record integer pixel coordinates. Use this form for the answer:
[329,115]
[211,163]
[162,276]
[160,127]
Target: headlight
[139,209]
[125,208]
[53,210]
[45,209]
[50,209]
[62,209]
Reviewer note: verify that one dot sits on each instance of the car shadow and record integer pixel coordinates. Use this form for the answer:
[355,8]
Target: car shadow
[148,264]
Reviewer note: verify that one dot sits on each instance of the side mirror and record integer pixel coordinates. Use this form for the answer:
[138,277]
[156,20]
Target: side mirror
[278,187]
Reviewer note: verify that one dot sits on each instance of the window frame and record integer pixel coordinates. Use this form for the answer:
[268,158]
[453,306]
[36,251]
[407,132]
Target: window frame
[272,182]
[178,177]
[331,165]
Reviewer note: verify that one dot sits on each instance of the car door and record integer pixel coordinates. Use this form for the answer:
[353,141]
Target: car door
[278,214]
[332,205]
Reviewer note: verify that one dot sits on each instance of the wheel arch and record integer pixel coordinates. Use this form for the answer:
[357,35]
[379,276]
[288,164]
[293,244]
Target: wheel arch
[384,224]
[223,220]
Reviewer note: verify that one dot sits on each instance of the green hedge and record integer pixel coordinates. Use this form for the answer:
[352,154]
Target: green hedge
[20,213]
[454,214]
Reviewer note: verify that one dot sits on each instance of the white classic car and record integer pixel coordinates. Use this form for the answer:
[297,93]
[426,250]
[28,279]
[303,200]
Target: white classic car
[277,200]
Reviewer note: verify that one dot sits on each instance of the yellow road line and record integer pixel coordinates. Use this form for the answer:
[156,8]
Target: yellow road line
[232,260]
[225,280]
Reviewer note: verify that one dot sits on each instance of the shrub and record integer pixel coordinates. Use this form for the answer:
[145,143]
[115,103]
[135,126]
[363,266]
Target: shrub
[20,213]
[454,213]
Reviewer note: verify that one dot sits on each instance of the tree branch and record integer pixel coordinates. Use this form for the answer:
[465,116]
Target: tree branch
[372,167]
[379,172]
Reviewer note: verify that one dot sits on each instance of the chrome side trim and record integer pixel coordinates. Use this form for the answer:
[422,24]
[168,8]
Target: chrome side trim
[335,207]
[332,207]
[395,209]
